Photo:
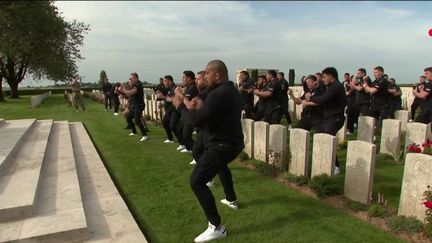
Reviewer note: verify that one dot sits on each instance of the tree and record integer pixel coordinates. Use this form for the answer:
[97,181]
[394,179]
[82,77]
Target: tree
[103,77]
[35,39]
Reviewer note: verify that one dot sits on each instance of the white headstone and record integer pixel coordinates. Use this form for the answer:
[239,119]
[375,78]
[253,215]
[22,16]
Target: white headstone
[390,138]
[416,178]
[299,149]
[366,129]
[277,146]
[403,117]
[341,134]
[298,111]
[261,141]
[416,133]
[323,154]
[360,168]
[248,134]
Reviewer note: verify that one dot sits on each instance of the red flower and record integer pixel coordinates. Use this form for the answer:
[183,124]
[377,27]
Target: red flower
[418,150]
[428,204]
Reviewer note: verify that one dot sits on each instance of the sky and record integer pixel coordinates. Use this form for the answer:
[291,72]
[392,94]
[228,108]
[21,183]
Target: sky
[159,38]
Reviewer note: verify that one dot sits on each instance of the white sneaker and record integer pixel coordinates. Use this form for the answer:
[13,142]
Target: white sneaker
[232,205]
[212,233]
[210,184]
[115,114]
[185,151]
[132,134]
[348,133]
[168,141]
[336,170]
[193,162]
[181,147]
[410,120]
[143,138]
[194,132]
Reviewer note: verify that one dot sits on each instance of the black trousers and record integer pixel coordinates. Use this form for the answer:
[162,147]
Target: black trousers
[211,163]
[352,117]
[308,123]
[187,135]
[198,147]
[424,117]
[381,114]
[274,116]
[107,99]
[171,124]
[364,109]
[135,115]
[417,103]
[285,111]
[116,101]
[249,110]
[332,126]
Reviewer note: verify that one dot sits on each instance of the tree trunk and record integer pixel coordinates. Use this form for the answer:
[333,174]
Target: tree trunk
[13,90]
[1,90]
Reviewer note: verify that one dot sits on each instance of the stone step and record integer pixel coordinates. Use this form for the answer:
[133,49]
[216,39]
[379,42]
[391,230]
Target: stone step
[2,122]
[58,214]
[11,134]
[19,184]
[107,215]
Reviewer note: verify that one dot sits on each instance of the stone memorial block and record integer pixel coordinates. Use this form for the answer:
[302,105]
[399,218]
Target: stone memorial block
[416,133]
[256,98]
[417,176]
[277,146]
[299,149]
[360,168]
[403,117]
[248,134]
[366,129]
[341,134]
[390,138]
[151,110]
[323,154]
[298,111]
[261,140]
[291,108]
[157,111]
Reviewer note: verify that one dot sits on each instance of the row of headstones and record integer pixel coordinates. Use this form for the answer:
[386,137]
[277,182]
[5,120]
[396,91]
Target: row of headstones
[268,143]
[37,100]
[153,108]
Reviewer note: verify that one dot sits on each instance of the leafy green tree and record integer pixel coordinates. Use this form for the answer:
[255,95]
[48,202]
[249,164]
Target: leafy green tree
[35,39]
[102,77]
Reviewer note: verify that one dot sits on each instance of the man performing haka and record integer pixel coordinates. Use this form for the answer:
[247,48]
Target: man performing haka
[219,119]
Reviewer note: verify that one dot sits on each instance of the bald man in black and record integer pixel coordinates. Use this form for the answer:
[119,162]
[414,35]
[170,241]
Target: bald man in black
[219,119]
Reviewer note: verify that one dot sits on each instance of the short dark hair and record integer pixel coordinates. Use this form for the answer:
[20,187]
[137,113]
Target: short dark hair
[189,74]
[135,75]
[428,69]
[160,79]
[379,68]
[392,79]
[281,74]
[169,77]
[262,77]
[272,73]
[245,73]
[201,73]
[313,77]
[318,73]
[423,76]
[362,70]
[331,71]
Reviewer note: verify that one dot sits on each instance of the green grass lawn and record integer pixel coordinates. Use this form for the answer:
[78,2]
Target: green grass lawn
[154,179]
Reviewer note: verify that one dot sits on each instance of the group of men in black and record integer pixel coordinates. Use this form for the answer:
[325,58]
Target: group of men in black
[212,105]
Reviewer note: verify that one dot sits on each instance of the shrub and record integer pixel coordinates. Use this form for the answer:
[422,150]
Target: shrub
[396,223]
[298,180]
[324,185]
[243,156]
[376,210]
[266,169]
[428,230]
[411,225]
[147,117]
[356,206]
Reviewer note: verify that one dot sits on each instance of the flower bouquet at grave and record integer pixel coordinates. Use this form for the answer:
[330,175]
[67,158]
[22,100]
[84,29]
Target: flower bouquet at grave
[414,148]
[427,147]
[427,196]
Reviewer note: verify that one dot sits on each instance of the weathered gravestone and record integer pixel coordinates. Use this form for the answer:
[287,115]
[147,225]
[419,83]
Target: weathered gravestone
[360,168]
[157,110]
[366,129]
[390,138]
[416,133]
[403,116]
[261,140]
[323,154]
[248,134]
[341,134]
[291,108]
[299,149]
[416,178]
[277,146]
[151,110]
[298,111]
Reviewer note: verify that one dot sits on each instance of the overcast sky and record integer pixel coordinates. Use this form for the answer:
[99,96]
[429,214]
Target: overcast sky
[159,38]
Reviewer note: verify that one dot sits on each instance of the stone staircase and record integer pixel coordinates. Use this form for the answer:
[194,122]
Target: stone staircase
[55,188]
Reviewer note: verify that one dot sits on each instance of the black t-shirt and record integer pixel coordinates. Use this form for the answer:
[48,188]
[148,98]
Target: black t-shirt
[395,100]
[427,105]
[313,111]
[112,91]
[379,100]
[333,101]
[247,98]
[275,100]
[106,88]
[161,89]
[138,97]
[168,104]
[361,97]
[285,87]
[191,91]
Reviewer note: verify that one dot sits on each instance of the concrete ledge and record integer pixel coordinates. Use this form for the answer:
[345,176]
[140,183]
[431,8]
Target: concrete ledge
[18,186]
[107,214]
[37,100]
